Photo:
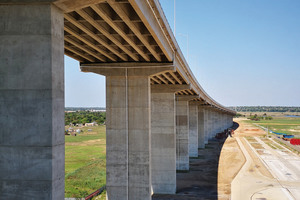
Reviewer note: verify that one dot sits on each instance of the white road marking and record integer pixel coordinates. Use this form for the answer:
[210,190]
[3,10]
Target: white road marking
[285,166]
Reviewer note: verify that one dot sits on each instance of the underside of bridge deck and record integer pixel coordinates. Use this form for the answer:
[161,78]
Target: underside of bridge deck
[157,113]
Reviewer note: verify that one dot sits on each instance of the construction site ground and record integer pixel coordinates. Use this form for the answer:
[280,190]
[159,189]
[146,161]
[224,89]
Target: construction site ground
[245,166]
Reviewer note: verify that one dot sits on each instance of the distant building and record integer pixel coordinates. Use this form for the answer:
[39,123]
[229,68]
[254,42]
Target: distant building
[91,124]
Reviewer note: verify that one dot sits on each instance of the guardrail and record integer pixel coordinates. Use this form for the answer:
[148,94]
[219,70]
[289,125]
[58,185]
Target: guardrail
[96,193]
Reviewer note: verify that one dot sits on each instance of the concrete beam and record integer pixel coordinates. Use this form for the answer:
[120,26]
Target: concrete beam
[10,2]
[186,97]
[149,18]
[31,101]
[168,88]
[117,69]
[71,5]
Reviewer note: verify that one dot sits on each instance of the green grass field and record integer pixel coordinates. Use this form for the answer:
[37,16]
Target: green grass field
[288,125]
[85,162]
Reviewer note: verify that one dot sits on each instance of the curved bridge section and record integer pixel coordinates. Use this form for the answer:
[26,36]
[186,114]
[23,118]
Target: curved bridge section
[157,113]
[130,33]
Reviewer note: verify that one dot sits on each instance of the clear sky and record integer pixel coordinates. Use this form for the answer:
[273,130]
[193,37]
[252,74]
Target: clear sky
[242,52]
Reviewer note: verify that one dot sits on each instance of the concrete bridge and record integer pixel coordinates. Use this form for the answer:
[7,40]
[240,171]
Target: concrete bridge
[157,113]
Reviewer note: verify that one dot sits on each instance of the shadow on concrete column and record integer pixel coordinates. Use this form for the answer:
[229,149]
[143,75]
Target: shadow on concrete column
[163,138]
[182,131]
[201,127]
[193,129]
[182,135]
[31,102]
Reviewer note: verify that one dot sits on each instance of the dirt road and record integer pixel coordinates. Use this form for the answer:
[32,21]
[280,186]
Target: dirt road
[270,172]
[240,168]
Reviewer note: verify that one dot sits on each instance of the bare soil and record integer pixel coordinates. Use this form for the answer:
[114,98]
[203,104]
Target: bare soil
[87,143]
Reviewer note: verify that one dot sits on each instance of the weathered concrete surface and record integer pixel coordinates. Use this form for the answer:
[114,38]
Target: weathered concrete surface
[193,129]
[182,135]
[163,143]
[210,123]
[128,137]
[201,127]
[31,102]
[220,122]
[206,125]
[215,123]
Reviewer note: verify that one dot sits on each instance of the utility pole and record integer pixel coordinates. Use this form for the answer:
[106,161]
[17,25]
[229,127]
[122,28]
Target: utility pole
[175,18]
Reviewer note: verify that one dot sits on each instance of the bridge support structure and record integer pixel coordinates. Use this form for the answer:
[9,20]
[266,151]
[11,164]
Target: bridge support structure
[182,131]
[163,138]
[128,130]
[193,128]
[31,101]
[150,131]
[201,126]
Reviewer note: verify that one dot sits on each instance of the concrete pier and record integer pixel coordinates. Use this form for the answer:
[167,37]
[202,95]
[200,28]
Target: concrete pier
[31,101]
[210,123]
[215,123]
[145,146]
[193,129]
[163,138]
[128,136]
[128,131]
[206,125]
[182,133]
[201,127]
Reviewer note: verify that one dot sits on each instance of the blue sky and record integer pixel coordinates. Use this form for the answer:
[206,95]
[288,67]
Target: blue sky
[242,52]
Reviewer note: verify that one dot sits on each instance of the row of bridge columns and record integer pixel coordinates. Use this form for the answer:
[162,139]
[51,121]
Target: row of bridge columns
[151,133]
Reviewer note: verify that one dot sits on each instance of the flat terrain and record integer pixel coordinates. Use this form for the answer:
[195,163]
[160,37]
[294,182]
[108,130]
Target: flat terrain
[246,166]
[271,171]
[85,162]
[288,125]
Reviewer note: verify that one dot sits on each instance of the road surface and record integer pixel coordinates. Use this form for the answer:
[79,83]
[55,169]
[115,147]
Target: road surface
[270,172]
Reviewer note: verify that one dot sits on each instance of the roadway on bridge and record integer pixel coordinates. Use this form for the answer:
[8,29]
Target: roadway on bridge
[271,171]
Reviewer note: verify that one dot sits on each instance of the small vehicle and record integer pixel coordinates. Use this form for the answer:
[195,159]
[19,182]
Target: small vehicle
[287,137]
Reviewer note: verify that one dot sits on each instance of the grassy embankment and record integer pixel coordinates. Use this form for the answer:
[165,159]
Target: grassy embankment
[85,162]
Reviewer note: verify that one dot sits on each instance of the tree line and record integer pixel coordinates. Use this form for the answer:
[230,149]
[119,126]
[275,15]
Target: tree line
[265,109]
[82,117]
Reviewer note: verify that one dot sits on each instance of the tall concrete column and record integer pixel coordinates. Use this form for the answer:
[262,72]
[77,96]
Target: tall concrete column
[215,123]
[210,122]
[182,132]
[201,127]
[128,130]
[163,138]
[31,101]
[220,122]
[127,137]
[193,129]
[206,124]
[223,122]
